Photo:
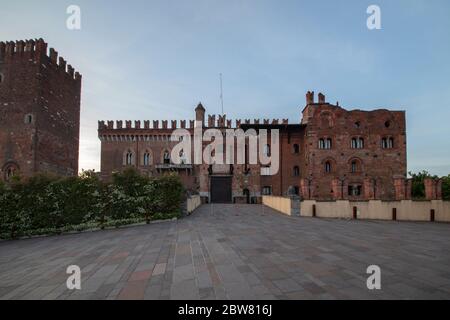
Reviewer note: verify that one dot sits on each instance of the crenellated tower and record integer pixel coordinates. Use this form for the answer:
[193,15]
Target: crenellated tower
[39,110]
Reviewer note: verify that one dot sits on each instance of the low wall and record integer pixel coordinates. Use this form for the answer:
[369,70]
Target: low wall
[288,206]
[405,210]
[192,203]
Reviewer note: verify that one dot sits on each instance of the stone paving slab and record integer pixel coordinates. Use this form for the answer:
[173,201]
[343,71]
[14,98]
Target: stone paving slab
[235,252]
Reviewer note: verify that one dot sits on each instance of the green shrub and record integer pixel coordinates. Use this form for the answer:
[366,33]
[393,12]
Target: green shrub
[46,204]
[446,187]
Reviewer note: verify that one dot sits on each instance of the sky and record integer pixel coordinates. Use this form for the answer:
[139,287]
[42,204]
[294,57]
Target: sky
[155,60]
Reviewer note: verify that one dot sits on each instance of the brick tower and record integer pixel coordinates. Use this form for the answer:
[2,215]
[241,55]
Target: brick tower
[39,111]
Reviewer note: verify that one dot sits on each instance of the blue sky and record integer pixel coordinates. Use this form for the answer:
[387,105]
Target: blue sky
[157,59]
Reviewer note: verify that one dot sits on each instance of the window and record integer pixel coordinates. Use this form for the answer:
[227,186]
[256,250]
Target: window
[328,167]
[387,124]
[1,78]
[28,119]
[147,159]
[10,171]
[357,124]
[357,143]
[166,158]
[296,190]
[325,143]
[129,158]
[182,157]
[296,171]
[265,171]
[355,166]
[296,149]
[354,190]
[267,191]
[267,150]
[387,143]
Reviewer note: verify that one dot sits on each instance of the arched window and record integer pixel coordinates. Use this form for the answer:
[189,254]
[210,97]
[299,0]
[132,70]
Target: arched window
[325,143]
[166,157]
[129,158]
[387,143]
[147,159]
[296,171]
[328,167]
[357,143]
[296,149]
[267,150]
[355,165]
[9,171]
[182,157]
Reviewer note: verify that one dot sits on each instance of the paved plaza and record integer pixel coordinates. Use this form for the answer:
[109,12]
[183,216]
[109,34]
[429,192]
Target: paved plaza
[234,252]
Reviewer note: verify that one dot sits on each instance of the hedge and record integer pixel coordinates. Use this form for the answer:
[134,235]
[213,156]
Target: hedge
[46,204]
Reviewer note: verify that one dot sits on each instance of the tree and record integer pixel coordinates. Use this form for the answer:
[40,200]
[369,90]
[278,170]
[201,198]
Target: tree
[418,183]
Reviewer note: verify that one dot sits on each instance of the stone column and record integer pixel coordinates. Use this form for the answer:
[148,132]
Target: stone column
[430,189]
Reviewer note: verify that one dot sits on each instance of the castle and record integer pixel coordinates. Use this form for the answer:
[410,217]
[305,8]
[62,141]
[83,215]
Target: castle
[39,111]
[330,154]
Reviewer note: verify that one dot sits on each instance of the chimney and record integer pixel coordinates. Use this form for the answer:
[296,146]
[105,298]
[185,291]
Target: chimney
[309,97]
[200,114]
[321,98]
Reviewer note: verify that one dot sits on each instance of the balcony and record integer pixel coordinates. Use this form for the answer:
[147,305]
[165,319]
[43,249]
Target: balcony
[173,166]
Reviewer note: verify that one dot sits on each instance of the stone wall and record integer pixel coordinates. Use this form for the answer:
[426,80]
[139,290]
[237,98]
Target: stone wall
[404,210]
[287,205]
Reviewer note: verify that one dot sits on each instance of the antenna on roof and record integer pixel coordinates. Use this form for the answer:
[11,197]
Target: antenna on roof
[221,91]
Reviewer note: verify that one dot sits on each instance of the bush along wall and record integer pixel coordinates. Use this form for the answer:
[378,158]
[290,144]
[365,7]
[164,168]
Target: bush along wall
[47,204]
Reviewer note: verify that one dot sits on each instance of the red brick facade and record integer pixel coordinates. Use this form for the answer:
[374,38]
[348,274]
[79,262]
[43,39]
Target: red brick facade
[331,154]
[40,110]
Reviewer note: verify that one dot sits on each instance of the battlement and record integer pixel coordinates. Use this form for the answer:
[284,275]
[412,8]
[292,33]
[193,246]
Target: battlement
[27,50]
[213,122]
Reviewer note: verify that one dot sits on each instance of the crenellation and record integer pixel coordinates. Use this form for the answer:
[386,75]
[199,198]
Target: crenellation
[137,124]
[128,124]
[266,121]
[183,124]
[147,124]
[29,46]
[70,70]
[20,46]
[165,124]
[110,125]
[155,124]
[2,49]
[119,124]
[174,124]
[53,56]
[62,64]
